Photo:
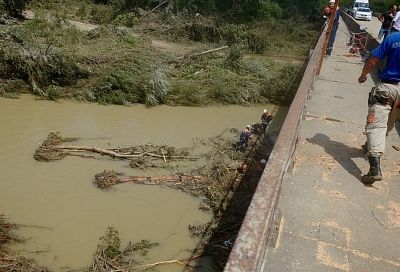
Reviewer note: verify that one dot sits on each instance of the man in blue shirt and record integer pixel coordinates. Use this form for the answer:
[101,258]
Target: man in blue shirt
[383,102]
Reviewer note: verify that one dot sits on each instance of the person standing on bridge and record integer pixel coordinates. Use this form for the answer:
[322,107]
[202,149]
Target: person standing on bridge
[383,102]
[386,19]
[335,27]
[396,23]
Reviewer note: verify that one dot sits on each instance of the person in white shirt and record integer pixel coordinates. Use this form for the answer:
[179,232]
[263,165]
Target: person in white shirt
[396,23]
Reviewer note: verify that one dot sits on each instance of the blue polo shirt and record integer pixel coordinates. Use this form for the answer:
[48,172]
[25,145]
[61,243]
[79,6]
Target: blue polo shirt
[390,48]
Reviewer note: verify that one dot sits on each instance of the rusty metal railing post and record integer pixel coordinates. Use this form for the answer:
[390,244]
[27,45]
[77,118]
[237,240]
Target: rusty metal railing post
[328,34]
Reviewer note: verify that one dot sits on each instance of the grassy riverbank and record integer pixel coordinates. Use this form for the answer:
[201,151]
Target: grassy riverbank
[153,58]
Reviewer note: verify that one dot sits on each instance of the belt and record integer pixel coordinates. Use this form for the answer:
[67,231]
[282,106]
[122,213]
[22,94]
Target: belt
[388,81]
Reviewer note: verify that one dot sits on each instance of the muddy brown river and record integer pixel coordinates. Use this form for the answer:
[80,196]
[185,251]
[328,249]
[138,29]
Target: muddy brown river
[60,196]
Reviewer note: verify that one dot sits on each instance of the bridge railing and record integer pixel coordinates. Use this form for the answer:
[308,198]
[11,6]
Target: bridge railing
[354,27]
[250,247]
[251,243]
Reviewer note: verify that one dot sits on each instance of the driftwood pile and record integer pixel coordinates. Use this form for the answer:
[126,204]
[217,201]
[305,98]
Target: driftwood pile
[54,148]
[218,175]
[110,257]
[187,183]
[9,262]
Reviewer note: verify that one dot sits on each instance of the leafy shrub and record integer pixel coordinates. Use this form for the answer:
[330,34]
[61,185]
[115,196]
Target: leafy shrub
[123,87]
[203,31]
[15,7]
[37,69]
[257,42]
[83,11]
[233,34]
[235,58]
[111,243]
[187,93]
[269,10]
[222,93]
[155,89]
[279,88]
[2,8]
[101,14]
[31,54]
[128,19]
[53,92]
[118,87]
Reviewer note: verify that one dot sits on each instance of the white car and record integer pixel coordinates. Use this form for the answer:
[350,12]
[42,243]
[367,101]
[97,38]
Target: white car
[363,14]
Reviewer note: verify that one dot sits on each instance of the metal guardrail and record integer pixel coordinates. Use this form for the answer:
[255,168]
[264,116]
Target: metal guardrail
[251,243]
[250,247]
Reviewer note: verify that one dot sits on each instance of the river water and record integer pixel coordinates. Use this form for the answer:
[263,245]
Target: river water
[60,196]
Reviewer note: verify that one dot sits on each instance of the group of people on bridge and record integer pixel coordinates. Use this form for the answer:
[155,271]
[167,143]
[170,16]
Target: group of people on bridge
[384,98]
[255,128]
[390,22]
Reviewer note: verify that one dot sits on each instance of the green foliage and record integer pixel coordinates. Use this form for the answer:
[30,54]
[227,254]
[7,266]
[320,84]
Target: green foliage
[223,94]
[101,14]
[280,87]
[53,92]
[123,6]
[123,87]
[15,7]
[302,7]
[235,58]
[2,8]
[233,34]
[200,31]
[155,89]
[270,10]
[118,87]
[382,5]
[128,19]
[32,53]
[257,42]
[111,243]
[83,11]
[104,2]
[187,93]
[110,255]
[54,57]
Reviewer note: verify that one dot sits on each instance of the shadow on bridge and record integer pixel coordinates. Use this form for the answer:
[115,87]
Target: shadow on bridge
[342,153]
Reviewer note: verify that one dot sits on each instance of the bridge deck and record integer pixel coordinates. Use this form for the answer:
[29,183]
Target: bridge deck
[330,220]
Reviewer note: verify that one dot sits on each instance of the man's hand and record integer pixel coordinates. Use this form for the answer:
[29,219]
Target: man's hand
[362,79]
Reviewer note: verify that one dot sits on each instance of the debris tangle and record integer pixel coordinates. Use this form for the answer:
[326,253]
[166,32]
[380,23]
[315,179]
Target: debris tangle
[9,262]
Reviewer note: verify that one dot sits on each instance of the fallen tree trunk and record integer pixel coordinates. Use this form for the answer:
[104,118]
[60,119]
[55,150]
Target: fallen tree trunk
[204,52]
[107,178]
[53,149]
[114,154]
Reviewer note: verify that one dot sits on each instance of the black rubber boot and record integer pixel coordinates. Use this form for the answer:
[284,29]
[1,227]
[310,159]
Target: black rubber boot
[374,173]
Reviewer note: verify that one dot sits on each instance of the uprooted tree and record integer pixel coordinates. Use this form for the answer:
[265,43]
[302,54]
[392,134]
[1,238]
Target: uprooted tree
[53,148]
[207,173]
